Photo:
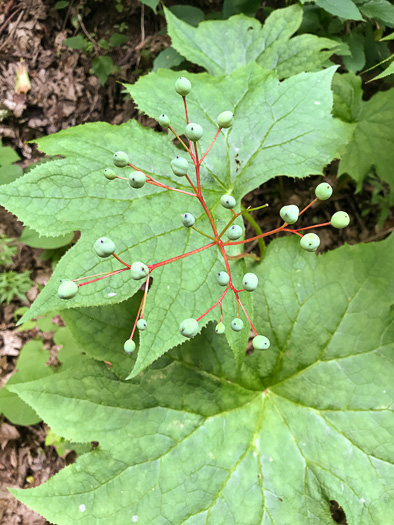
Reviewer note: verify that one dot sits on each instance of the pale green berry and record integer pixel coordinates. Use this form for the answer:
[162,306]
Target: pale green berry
[289,213]
[109,174]
[129,346]
[223,278]
[234,232]
[250,282]
[188,328]
[228,201]
[179,166]
[193,131]
[260,342]
[67,289]
[220,328]
[104,247]
[310,242]
[188,220]
[137,179]
[142,324]
[340,219]
[323,191]
[164,121]
[225,119]
[139,270]
[183,86]
[121,159]
[237,324]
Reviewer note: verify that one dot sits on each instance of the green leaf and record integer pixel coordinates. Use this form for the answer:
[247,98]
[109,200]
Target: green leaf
[388,71]
[151,3]
[61,4]
[8,155]
[342,8]
[76,42]
[279,128]
[34,239]
[347,96]
[373,137]
[378,9]
[10,173]
[168,58]
[234,7]
[102,67]
[117,39]
[291,430]
[189,14]
[211,44]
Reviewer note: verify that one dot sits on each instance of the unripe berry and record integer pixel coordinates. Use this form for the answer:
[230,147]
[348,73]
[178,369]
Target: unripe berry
[193,131]
[310,242]
[188,328]
[121,159]
[104,247]
[220,328]
[340,219]
[164,121]
[183,86]
[129,346]
[323,191]
[289,213]
[188,220]
[109,174]
[142,324]
[137,179]
[225,119]
[179,166]
[260,342]
[237,324]
[228,201]
[67,290]
[234,232]
[250,282]
[139,270]
[223,278]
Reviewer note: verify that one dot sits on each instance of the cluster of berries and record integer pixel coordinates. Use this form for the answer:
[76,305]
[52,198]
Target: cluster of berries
[105,247]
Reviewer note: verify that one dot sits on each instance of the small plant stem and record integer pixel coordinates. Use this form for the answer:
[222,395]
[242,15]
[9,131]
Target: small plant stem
[89,276]
[180,140]
[197,170]
[178,257]
[243,212]
[136,320]
[187,116]
[202,233]
[191,184]
[120,260]
[99,278]
[221,312]
[156,183]
[145,296]
[210,146]
[257,236]
[123,178]
[187,122]
[311,227]
[247,317]
[306,207]
[257,229]
[292,231]
[219,301]
[243,255]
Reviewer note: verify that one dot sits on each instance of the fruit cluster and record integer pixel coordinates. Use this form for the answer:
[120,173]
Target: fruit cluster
[105,247]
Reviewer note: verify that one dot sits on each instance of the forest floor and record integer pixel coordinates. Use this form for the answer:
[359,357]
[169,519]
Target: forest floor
[65,93]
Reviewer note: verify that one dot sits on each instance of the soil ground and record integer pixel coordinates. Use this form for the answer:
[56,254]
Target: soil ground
[64,93]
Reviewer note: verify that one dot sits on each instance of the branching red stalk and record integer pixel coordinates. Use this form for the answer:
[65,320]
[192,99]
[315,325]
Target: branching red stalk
[210,146]
[219,301]
[247,317]
[178,257]
[99,278]
[120,260]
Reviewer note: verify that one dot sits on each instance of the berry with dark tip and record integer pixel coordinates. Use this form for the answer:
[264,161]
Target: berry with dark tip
[139,270]
[225,119]
[234,232]
[228,201]
[340,220]
[289,213]
[260,342]
[183,86]
[142,324]
[164,121]
[188,220]
[129,346]
[223,278]
[220,328]
[109,174]
[237,324]
[193,131]
[250,282]
[67,289]
[104,247]
[323,191]
[179,166]
[137,179]
[310,242]
[188,328]
[121,159]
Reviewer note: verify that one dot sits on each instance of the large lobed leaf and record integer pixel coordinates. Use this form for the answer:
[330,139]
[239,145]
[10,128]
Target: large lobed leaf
[279,128]
[196,440]
[222,46]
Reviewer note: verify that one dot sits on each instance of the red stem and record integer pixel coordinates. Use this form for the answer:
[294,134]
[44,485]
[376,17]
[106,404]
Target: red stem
[306,207]
[212,143]
[173,259]
[311,227]
[247,317]
[99,278]
[120,260]
[219,301]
